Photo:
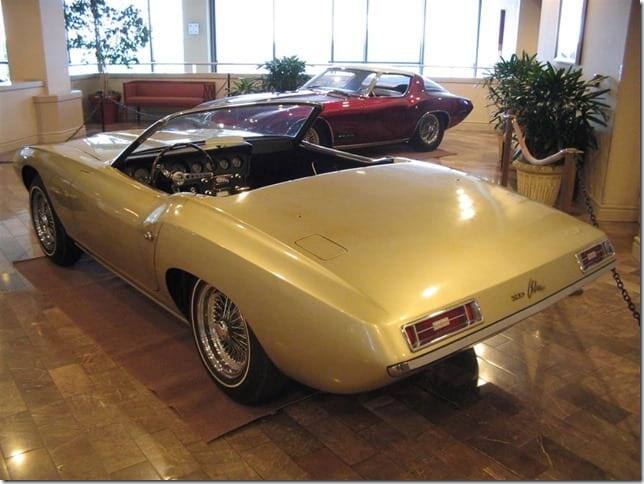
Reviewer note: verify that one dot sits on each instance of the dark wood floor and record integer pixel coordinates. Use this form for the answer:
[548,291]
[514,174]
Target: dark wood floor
[558,396]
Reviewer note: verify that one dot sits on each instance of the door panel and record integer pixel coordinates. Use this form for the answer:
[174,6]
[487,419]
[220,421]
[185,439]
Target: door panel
[118,219]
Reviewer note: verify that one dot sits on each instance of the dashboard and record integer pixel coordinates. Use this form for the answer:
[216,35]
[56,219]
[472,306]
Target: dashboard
[197,169]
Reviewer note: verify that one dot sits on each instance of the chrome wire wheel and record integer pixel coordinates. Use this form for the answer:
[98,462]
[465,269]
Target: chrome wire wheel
[312,136]
[429,129]
[43,220]
[222,335]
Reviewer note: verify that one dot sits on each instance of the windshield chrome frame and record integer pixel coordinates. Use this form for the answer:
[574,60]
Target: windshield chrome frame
[157,125]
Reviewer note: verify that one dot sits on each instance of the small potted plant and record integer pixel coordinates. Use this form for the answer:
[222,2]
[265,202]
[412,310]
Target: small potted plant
[245,86]
[285,74]
[556,108]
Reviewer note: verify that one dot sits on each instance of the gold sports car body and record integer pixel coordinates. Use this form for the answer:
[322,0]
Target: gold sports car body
[293,260]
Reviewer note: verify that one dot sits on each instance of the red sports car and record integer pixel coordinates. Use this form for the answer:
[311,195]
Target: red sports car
[365,106]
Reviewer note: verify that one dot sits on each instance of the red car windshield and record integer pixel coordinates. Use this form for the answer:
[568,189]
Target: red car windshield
[346,80]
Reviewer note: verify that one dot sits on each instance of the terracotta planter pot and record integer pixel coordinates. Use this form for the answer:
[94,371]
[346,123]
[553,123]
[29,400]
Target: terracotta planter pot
[539,183]
[110,108]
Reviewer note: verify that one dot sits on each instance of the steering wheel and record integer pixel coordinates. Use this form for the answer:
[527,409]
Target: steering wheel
[154,171]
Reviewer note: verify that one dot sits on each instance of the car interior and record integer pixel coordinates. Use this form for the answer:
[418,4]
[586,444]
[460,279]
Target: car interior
[221,171]
[391,85]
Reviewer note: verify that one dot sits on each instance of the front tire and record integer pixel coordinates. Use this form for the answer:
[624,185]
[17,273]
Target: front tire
[54,241]
[429,133]
[229,349]
[317,135]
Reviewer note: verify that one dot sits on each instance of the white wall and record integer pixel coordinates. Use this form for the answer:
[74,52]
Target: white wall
[19,125]
[612,171]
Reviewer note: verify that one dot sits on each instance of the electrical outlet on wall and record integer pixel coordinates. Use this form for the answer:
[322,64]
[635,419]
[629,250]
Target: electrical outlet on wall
[193,28]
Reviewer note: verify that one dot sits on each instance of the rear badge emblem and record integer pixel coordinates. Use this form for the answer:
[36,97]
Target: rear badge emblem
[533,287]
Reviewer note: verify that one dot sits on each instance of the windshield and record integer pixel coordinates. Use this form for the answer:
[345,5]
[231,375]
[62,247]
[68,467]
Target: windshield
[246,121]
[346,80]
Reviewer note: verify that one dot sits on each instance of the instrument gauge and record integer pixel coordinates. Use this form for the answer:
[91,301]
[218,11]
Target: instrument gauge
[224,164]
[196,167]
[178,167]
[237,162]
[208,166]
[142,175]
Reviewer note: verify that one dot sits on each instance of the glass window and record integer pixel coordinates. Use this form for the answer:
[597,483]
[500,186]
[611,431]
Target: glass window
[349,30]
[346,80]
[392,85]
[83,61]
[432,86]
[4,61]
[166,17]
[303,28]
[395,30]
[498,32]
[243,38]
[450,38]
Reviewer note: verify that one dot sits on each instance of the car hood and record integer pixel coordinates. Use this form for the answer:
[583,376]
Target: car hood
[414,236]
[304,95]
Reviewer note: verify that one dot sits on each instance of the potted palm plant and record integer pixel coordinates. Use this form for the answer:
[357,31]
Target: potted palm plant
[285,74]
[506,83]
[556,108]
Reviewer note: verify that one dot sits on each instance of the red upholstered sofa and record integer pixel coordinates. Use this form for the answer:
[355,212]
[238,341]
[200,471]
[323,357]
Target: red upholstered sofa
[184,94]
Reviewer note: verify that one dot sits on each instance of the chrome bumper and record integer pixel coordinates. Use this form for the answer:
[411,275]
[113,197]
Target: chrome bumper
[406,367]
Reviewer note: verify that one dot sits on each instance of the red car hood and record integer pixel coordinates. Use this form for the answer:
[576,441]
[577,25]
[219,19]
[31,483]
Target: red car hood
[303,95]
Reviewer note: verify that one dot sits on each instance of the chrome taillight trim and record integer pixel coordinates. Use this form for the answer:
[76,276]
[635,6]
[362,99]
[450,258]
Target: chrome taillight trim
[608,251]
[478,318]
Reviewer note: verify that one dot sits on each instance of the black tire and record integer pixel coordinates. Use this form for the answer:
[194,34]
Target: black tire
[429,132]
[54,241]
[254,381]
[317,135]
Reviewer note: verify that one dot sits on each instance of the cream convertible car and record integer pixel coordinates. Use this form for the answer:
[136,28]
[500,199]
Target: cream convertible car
[292,260]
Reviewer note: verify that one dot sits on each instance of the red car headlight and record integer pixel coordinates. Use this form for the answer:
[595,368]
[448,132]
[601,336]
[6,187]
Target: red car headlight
[442,324]
[592,256]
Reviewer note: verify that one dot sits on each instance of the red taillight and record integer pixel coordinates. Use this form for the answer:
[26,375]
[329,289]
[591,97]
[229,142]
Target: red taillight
[594,255]
[442,324]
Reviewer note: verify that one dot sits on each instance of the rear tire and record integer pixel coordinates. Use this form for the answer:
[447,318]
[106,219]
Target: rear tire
[429,133]
[54,241]
[229,349]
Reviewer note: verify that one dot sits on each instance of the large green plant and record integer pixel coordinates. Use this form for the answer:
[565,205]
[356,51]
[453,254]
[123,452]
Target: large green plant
[285,74]
[114,35]
[561,110]
[507,83]
[556,107]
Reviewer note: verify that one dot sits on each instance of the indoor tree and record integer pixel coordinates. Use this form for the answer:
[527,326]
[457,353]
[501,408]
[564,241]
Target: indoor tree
[113,34]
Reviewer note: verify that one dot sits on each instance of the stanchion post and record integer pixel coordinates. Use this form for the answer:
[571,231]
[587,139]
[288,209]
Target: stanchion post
[505,154]
[568,181]
[102,101]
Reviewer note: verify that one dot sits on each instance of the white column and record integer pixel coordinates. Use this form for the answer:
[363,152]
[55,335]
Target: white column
[36,48]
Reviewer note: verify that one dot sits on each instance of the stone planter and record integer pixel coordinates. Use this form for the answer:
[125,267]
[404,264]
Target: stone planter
[539,183]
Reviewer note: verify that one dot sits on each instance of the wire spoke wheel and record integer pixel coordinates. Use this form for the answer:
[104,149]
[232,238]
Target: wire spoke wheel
[429,129]
[312,136]
[43,219]
[222,335]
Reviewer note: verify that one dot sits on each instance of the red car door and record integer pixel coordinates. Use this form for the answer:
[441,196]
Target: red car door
[383,116]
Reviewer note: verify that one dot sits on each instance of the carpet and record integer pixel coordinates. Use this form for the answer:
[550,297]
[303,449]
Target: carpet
[150,343]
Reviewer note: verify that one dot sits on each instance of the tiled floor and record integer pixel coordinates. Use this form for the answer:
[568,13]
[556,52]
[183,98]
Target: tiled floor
[558,395]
